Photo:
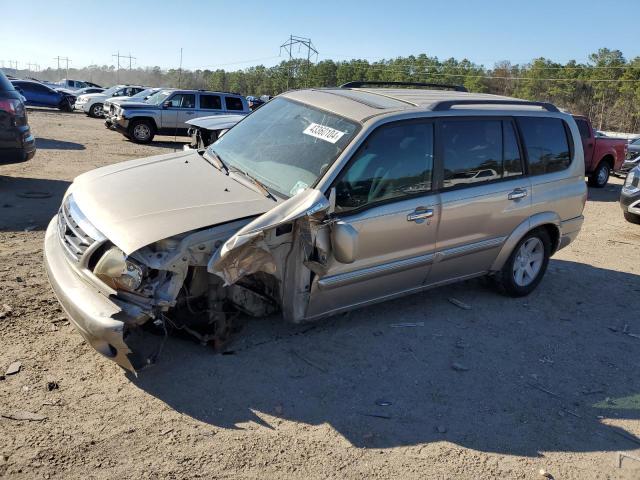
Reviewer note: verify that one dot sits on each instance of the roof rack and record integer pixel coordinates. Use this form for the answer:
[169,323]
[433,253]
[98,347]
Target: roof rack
[447,104]
[360,84]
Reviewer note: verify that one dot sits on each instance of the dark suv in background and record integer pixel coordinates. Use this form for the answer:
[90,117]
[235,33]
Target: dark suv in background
[16,140]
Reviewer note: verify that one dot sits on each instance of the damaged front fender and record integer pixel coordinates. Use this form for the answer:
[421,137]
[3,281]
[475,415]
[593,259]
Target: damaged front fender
[250,250]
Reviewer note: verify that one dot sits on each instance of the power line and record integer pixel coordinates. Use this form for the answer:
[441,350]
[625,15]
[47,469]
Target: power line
[64,59]
[118,56]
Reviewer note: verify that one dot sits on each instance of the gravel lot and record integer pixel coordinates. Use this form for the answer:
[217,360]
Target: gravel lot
[545,382]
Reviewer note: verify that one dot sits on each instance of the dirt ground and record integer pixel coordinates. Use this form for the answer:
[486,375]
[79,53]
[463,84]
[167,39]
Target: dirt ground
[546,382]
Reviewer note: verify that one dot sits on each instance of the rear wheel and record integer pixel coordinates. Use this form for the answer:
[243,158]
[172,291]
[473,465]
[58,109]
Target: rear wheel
[141,131]
[526,265]
[600,176]
[96,110]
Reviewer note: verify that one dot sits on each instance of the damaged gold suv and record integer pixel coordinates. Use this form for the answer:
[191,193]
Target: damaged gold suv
[321,201]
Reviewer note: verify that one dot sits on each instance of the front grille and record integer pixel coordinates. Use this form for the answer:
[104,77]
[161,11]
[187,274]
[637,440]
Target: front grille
[75,240]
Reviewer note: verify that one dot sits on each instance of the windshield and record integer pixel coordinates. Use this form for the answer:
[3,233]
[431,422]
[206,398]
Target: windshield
[142,94]
[636,142]
[285,145]
[159,97]
[110,91]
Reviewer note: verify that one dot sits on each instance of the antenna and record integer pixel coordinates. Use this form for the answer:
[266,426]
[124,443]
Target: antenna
[300,42]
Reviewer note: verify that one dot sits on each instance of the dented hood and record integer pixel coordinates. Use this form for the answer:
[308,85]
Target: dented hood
[139,202]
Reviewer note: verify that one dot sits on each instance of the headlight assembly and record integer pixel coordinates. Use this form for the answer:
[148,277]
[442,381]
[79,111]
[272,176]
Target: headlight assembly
[118,271]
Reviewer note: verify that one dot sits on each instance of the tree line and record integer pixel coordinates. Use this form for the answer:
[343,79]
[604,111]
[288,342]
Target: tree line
[606,88]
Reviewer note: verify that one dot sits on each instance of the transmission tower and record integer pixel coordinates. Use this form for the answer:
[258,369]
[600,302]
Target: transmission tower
[118,56]
[302,43]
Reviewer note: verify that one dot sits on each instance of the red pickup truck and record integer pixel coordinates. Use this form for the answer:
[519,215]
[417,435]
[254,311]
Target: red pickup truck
[602,155]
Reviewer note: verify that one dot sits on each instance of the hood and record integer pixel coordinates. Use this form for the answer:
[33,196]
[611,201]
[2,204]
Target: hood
[142,201]
[92,95]
[216,122]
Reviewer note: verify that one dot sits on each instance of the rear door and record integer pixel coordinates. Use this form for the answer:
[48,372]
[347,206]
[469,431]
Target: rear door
[384,198]
[485,194]
[210,104]
[588,142]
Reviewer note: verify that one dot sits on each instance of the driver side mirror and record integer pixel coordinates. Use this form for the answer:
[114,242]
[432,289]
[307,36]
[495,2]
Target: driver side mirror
[166,104]
[344,241]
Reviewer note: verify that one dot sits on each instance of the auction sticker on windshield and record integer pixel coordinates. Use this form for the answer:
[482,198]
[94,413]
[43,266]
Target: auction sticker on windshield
[327,134]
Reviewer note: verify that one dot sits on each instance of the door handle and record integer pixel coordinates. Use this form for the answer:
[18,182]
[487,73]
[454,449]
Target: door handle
[419,214]
[190,113]
[517,193]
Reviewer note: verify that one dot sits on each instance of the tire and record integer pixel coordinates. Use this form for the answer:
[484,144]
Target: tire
[96,110]
[515,280]
[600,176]
[65,105]
[632,217]
[141,131]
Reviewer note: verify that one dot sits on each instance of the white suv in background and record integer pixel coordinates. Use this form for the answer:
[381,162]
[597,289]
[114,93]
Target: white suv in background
[93,103]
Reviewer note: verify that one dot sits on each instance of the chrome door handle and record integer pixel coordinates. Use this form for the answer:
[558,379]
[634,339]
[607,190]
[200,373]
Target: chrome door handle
[517,193]
[419,214]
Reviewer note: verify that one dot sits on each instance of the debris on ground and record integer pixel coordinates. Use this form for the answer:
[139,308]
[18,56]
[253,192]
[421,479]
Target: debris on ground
[23,415]
[407,324]
[52,385]
[545,474]
[5,311]
[620,456]
[460,303]
[459,367]
[381,402]
[14,368]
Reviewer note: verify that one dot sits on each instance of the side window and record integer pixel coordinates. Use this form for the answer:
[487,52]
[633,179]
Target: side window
[233,103]
[473,151]
[183,100]
[545,141]
[584,129]
[210,102]
[511,159]
[120,93]
[394,162]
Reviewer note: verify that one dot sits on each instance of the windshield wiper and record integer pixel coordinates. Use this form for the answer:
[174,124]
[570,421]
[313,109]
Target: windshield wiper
[259,184]
[216,161]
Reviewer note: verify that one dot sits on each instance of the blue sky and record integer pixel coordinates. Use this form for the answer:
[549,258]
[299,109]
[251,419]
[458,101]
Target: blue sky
[228,34]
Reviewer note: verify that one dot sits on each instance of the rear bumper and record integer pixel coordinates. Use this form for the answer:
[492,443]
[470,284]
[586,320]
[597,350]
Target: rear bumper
[98,319]
[569,230]
[17,142]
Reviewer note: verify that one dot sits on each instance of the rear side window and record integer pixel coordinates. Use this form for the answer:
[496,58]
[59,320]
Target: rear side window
[5,84]
[583,127]
[545,140]
[210,102]
[396,161]
[183,100]
[479,150]
[233,103]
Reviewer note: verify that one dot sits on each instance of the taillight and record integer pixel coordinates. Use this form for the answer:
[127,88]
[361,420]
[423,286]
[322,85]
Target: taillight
[12,107]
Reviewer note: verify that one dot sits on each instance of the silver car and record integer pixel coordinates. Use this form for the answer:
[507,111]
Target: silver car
[321,201]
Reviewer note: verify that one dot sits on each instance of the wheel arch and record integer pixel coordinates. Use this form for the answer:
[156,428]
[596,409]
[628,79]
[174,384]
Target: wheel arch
[550,221]
[151,120]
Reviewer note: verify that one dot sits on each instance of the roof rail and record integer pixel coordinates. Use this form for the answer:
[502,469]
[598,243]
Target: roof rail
[360,84]
[447,104]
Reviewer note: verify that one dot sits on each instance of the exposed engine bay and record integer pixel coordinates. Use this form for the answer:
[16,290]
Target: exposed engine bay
[200,283]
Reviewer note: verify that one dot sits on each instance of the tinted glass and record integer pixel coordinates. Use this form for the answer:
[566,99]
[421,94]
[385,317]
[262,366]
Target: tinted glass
[5,84]
[511,158]
[545,141]
[472,151]
[233,103]
[394,162]
[584,129]
[183,100]
[211,102]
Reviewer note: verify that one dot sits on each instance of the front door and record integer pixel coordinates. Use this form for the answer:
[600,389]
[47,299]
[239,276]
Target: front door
[384,198]
[180,108]
[485,195]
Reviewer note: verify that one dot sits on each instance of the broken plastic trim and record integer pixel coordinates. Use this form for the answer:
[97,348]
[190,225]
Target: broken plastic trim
[246,252]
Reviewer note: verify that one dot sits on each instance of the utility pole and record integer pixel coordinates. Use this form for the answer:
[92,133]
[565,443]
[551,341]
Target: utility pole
[180,69]
[64,59]
[118,56]
[301,42]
